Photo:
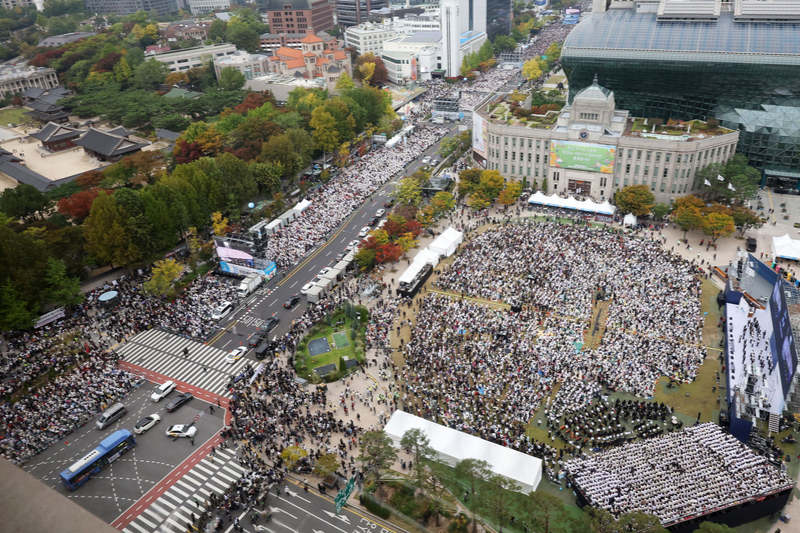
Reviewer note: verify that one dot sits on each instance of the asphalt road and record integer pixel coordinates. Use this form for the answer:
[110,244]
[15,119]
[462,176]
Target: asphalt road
[298,511]
[123,482]
[268,300]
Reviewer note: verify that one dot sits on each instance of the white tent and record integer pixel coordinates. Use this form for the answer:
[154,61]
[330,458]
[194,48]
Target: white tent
[786,247]
[445,244]
[629,220]
[301,206]
[272,226]
[453,446]
[587,205]
[422,258]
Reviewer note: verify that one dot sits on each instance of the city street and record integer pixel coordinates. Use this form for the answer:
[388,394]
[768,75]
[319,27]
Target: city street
[268,301]
[127,479]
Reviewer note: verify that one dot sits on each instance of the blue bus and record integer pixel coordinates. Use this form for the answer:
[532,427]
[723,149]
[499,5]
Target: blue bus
[107,452]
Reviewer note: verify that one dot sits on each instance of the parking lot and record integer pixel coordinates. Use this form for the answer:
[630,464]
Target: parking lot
[123,482]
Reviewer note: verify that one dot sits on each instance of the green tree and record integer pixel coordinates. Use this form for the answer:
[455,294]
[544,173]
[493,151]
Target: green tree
[660,210]
[345,82]
[230,79]
[636,199]
[688,218]
[243,35]
[150,74]
[122,70]
[491,184]
[408,191]
[14,314]
[107,239]
[494,500]
[546,513]
[61,288]
[292,455]
[365,258]
[531,69]
[419,445]
[165,273]
[475,471]
[744,219]
[510,193]
[717,225]
[216,32]
[504,43]
[325,133]
[23,201]
[377,453]
[442,201]
[326,465]
[468,180]
[267,175]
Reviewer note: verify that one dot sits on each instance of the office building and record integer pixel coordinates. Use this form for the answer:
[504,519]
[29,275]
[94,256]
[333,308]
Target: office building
[499,15]
[250,65]
[11,4]
[412,58]
[198,56]
[592,149]
[738,62]
[368,37]
[199,7]
[126,7]
[463,31]
[299,16]
[352,12]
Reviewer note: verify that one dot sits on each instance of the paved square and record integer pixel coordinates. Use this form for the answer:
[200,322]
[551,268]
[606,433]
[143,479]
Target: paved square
[318,346]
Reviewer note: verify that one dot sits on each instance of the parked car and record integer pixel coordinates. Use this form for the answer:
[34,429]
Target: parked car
[291,302]
[323,272]
[222,311]
[236,354]
[389,203]
[352,245]
[162,391]
[364,231]
[180,399]
[146,423]
[752,244]
[177,431]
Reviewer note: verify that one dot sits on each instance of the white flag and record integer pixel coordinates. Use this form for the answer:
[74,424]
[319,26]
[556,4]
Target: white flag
[731,187]
[720,178]
[707,183]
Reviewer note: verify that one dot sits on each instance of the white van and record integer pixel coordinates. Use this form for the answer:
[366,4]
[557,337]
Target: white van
[111,415]
[222,311]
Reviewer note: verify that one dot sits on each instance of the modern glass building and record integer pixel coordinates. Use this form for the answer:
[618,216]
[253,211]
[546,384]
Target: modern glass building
[738,62]
[498,17]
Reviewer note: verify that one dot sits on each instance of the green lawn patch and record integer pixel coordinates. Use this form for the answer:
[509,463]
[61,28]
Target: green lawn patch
[14,115]
[345,331]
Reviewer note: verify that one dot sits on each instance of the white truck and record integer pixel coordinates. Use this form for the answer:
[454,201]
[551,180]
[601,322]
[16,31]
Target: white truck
[249,285]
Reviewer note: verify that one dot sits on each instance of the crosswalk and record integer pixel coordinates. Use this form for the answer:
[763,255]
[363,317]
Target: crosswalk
[173,510]
[202,366]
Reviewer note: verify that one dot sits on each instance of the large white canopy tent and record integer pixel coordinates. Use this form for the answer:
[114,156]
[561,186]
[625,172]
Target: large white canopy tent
[786,247]
[629,220]
[423,257]
[589,206]
[453,446]
[446,244]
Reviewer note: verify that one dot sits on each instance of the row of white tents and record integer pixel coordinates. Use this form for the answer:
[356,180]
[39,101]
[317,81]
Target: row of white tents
[444,245]
[587,206]
[329,280]
[264,228]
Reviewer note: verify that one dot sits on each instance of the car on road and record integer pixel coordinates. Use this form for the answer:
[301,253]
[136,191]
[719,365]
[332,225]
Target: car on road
[364,231]
[291,302]
[353,245]
[222,311]
[752,244]
[323,272]
[146,423]
[380,212]
[180,399]
[426,159]
[162,391]
[270,323]
[177,431]
[236,354]
[307,287]
[256,337]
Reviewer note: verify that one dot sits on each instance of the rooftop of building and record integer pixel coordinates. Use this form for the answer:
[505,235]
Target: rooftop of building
[431,37]
[239,57]
[12,72]
[65,38]
[205,48]
[280,5]
[628,34]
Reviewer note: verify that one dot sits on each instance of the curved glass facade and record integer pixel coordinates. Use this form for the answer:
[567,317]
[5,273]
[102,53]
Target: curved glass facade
[747,75]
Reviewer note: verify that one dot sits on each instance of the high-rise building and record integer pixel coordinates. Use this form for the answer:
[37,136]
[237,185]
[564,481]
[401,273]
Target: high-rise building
[352,12]
[499,15]
[126,7]
[463,31]
[299,16]
[738,62]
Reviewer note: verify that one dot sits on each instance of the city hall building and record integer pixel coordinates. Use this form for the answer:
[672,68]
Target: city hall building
[592,149]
